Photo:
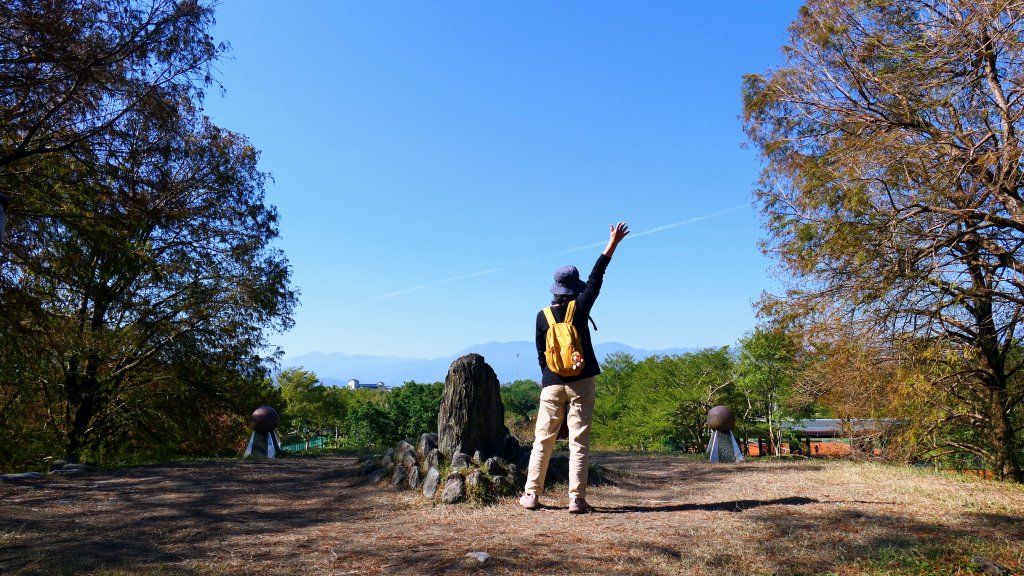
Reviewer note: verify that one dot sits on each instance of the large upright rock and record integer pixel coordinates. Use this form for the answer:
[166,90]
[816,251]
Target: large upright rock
[472,416]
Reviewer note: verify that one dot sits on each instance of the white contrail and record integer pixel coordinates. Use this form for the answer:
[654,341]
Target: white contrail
[432,284]
[576,249]
[656,230]
[690,221]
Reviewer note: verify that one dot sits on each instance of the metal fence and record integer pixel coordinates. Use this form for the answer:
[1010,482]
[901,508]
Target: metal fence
[315,442]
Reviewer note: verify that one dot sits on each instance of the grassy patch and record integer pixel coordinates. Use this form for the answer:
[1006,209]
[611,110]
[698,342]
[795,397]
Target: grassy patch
[936,557]
[915,561]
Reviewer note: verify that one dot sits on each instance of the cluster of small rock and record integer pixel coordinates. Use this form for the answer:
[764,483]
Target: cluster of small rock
[474,478]
[65,468]
[473,457]
[57,468]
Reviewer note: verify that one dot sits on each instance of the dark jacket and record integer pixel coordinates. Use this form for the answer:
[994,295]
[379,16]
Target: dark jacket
[584,302]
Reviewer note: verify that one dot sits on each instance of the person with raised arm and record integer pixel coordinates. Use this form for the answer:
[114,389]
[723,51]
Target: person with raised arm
[568,397]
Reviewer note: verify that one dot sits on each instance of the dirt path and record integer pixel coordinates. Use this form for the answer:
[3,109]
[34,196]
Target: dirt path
[666,515]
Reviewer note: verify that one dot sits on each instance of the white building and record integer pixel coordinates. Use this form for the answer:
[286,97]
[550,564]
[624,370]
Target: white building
[354,384]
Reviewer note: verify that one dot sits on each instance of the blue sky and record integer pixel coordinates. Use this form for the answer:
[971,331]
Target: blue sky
[434,162]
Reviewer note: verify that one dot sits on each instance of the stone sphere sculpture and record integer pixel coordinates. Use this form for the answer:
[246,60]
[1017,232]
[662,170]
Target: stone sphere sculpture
[721,419]
[264,419]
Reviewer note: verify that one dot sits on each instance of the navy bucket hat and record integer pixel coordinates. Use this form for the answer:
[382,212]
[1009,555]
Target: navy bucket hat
[567,281]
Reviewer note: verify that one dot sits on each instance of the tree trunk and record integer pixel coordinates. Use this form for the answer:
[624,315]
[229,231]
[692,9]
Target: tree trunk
[774,432]
[76,409]
[472,416]
[82,411]
[1007,464]
[1005,456]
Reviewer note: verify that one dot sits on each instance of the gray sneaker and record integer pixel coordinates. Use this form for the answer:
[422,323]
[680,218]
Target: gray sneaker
[579,506]
[529,501]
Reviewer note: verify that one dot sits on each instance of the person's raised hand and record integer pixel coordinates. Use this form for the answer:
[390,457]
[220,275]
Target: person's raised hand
[616,234]
[619,231]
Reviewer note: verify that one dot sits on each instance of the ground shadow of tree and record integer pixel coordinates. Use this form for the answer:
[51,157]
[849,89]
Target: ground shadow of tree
[164,514]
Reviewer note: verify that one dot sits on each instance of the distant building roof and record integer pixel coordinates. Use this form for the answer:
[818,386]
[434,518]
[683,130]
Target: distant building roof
[837,427]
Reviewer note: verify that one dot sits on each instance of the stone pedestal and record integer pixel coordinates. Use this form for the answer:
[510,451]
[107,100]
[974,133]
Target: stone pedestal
[723,448]
[263,445]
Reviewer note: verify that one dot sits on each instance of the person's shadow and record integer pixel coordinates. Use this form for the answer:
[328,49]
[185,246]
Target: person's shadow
[730,506]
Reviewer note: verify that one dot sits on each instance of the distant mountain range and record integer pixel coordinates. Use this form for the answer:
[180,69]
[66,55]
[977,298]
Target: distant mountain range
[510,361]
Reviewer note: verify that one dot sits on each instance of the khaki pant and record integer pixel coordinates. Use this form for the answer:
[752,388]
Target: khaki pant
[579,396]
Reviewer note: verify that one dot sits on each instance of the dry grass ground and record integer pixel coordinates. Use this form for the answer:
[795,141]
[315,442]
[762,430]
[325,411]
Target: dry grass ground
[664,515]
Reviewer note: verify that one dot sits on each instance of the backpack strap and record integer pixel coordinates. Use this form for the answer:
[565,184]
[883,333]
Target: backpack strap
[549,316]
[570,311]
